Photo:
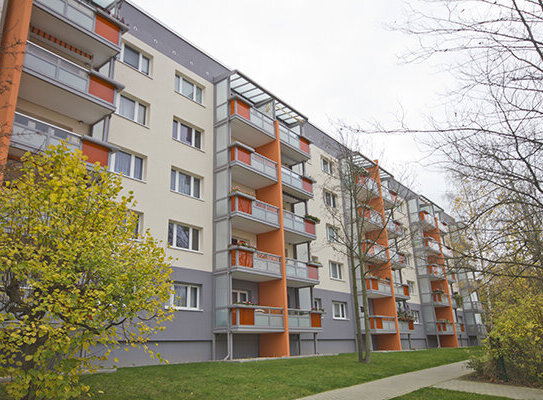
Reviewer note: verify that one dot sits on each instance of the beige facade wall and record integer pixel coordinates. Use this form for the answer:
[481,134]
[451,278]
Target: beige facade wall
[161,152]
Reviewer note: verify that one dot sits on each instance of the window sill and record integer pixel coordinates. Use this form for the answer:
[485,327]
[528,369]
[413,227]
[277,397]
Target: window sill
[337,279]
[128,177]
[135,69]
[187,250]
[131,120]
[186,195]
[188,98]
[188,145]
[186,309]
[340,319]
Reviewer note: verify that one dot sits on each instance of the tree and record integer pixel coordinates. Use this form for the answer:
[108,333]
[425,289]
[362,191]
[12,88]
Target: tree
[358,228]
[73,274]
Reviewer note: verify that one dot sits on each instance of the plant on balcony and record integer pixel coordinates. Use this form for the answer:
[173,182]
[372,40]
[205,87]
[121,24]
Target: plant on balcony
[312,218]
[317,309]
[438,291]
[459,299]
[247,303]
[443,321]
[236,189]
[406,315]
[243,243]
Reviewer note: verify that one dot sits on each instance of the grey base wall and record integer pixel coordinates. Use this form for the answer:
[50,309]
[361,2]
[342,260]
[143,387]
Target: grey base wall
[416,343]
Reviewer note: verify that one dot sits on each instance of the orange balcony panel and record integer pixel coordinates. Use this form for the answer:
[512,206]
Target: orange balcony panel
[313,272]
[244,110]
[245,258]
[411,325]
[304,145]
[406,290]
[95,153]
[379,323]
[246,316]
[310,227]
[107,29]
[307,185]
[242,204]
[101,89]
[316,321]
[243,155]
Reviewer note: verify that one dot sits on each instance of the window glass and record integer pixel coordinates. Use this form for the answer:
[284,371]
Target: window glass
[175,127]
[145,65]
[182,239]
[193,297]
[186,134]
[127,107]
[187,89]
[184,183]
[170,233]
[142,111]
[122,163]
[172,180]
[197,139]
[198,94]
[138,168]
[195,239]
[131,57]
[196,189]
[180,299]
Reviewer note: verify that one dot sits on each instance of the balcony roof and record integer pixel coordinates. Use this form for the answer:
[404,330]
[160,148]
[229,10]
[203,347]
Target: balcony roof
[257,95]
[363,161]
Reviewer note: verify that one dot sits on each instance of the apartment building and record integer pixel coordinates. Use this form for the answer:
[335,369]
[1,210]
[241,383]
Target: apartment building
[230,178]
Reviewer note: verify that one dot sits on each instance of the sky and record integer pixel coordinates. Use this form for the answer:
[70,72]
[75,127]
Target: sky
[333,61]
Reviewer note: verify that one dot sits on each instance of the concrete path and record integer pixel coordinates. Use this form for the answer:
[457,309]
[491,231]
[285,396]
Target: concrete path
[396,385]
[492,389]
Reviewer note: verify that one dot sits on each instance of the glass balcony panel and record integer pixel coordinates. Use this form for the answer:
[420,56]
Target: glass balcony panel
[293,222]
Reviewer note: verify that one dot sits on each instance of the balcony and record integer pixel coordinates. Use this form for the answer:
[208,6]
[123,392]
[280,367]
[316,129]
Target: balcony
[451,277]
[256,319]
[454,303]
[86,27]
[443,227]
[447,252]
[373,220]
[250,168]
[250,126]
[431,246]
[427,221]
[398,260]
[374,253]
[440,299]
[473,306]
[31,134]
[296,185]
[406,326]
[460,329]
[381,324]
[476,330]
[294,148]
[401,291]
[304,321]
[369,188]
[65,87]
[251,215]
[435,272]
[249,264]
[389,198]
[300,273]
[377,288]
[297,228]
[394,229]
[444,328]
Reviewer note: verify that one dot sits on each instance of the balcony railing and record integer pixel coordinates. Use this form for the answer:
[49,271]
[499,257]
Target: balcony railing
[443,227]
[257,260]
[34,134]
[398,259]
[444,328]
[428,219]
[296,181]
[81,14]
[447,252]
[474,306]
[459,328]
[368,184]
[440,299]
[257,118]
[378,286]
[254,161]
[381,324]
[51,65]
[301,270]
[373,217]
[388,197]
[251,317]
[476,330]
[303,319]
[374,251]
[435,271]
[406,326]
[294,140]
[432,245]
[394,227]
[298,224]
[256,209]
[401,290]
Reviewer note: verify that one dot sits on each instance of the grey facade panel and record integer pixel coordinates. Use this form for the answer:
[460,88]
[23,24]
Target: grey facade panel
[322,140]
[246,346]
[330,346]
[334,329]
[171,45]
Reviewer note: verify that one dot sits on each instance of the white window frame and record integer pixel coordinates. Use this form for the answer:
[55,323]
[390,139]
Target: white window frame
[189,306]
[342,310]
[178,136]
[176,226]
[317,303]
[326,166]
[416,315]
[330,199]
[192,186]
[339,269]
[132,165]
[139,223]
[137,106]
[411,285]
[178,87]
[238,293]
[140,59]
[334,237]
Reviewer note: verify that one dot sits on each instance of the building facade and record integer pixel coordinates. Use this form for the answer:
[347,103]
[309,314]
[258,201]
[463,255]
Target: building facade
[233,180]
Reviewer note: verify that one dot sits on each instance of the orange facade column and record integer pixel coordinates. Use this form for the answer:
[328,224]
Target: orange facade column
[13,44]
[274,293]
[386,305]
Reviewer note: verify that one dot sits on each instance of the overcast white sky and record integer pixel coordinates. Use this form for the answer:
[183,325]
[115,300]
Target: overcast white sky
[331,60]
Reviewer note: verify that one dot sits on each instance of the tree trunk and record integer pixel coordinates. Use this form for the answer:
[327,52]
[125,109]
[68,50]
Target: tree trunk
[356,305]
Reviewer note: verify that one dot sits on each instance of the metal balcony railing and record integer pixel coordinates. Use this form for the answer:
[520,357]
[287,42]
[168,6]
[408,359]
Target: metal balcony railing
[432,245]
[428,219]
[406,326]
[394,227]
[296,181]
[303,319]
[378,286]
[300,269]
[257,118]
[257,260]
[257,209]
[369,184]
[401,290]
[381,324]
[293,139]
[374,251]
[398,259]
[254,161]
[298,224]
[373,216]
[256,317]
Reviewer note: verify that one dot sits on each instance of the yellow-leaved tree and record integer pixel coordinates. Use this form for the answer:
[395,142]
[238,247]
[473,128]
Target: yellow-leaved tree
[73,276]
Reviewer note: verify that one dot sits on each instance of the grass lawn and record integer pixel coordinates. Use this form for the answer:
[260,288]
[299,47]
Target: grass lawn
[442,394]
[273,379]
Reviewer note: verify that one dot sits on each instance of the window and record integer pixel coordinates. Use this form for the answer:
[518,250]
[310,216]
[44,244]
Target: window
[127,164]
[133,110]
[326,166]
[339,309]
[135,59]
[330,199]
[416,316]
[138,228]
[188,89]
[335,270]
[185,184]
[317,303]
[183,237]
[185,297]
[240,296]
[411,287]
[331,234]
[186,134]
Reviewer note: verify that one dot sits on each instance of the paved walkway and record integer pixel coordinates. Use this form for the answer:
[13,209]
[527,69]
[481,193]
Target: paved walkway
[492,389]
[396,385]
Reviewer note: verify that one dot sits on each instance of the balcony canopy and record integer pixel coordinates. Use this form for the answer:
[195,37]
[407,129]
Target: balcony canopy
[251,91]
[362,161]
